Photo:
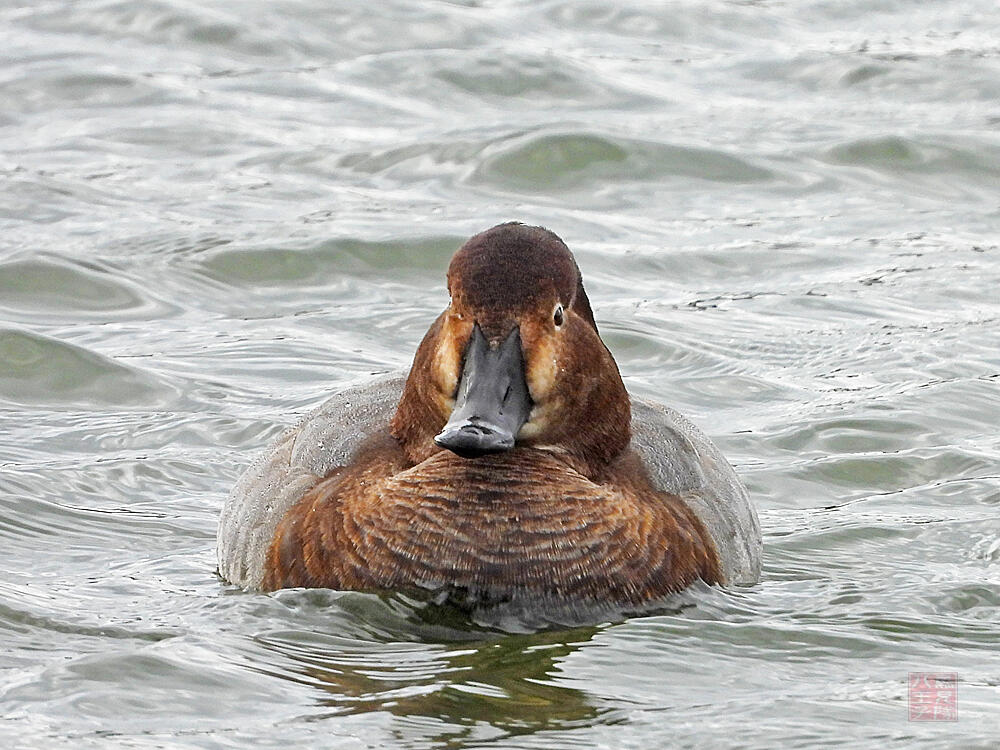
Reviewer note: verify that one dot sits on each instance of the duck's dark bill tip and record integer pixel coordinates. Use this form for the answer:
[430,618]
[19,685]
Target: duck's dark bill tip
[474,440]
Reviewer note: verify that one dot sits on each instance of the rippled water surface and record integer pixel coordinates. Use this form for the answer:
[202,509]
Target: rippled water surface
[214,214]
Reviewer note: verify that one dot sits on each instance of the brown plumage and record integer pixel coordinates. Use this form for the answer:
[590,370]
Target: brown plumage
[567,514]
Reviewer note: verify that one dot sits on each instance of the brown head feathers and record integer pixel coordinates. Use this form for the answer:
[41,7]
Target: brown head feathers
[516,266]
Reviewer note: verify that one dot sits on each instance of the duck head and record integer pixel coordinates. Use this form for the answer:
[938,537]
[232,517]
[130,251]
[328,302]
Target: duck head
[515,359]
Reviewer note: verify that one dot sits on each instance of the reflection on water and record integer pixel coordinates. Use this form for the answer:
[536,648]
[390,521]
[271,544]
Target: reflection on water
[509,682]
[214,215]
[362,655]
[420,661]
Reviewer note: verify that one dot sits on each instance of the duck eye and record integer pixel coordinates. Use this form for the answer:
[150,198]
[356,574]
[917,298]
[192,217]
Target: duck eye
[557,316]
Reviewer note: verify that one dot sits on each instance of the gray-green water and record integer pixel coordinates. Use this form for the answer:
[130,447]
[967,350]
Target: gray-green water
[213,214]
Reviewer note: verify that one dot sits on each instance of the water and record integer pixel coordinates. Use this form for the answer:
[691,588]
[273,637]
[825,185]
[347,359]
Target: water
[213,215]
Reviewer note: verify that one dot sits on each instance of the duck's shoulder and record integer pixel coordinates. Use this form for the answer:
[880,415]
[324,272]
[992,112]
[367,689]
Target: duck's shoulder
[327,437]
[315,543]
[681,460]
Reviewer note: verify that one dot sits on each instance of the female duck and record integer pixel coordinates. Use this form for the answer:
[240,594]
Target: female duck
[508,466]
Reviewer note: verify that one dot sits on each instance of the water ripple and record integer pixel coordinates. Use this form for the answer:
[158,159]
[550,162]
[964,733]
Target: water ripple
[36,369]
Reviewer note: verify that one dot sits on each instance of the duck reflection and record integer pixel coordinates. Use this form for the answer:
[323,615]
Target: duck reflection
[465,678]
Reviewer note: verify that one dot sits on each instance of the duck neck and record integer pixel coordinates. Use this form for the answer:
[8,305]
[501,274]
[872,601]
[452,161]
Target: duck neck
[602,430]
[418,416]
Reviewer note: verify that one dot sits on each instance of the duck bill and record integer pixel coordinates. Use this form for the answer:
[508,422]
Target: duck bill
[492,401]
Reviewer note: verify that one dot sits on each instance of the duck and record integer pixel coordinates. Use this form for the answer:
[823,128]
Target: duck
[509,464]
